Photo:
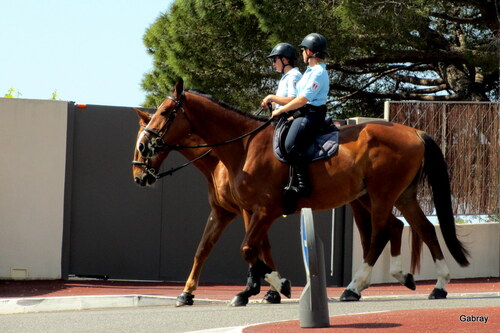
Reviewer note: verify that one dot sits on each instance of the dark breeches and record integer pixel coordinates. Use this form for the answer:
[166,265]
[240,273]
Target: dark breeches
[303,131]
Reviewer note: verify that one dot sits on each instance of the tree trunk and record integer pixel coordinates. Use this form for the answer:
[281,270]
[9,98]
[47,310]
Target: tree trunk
[462,83]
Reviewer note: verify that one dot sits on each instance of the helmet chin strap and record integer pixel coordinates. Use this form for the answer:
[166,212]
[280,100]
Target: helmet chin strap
[310,56]
[284,66]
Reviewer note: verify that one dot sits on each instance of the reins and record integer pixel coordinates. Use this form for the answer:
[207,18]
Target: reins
[258,129]
[178,106]
[159,136]
[153,172]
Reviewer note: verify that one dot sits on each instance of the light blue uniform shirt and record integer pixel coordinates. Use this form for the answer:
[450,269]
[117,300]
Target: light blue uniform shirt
[287,87]
[314,85]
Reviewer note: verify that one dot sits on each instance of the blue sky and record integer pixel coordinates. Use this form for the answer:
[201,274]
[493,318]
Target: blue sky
[88,51]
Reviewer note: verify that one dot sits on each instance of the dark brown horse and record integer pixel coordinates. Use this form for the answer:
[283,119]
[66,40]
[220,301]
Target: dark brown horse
[381,159]
[224,210]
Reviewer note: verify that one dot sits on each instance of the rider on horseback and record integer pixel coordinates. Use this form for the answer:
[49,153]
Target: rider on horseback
[284,58]
[309,111]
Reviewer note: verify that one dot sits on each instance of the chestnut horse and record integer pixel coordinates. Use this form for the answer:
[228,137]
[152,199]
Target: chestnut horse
[224,210]
[381,159]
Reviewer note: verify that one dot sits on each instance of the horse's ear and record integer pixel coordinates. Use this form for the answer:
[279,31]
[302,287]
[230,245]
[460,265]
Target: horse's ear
[179,87]
[144,117]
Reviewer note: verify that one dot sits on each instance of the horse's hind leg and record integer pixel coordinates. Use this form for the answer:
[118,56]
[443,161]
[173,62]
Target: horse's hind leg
[412,212]
[217,221]
[380,212]
[362,217]
[396,234]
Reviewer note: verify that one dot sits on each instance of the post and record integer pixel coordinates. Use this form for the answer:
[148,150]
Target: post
[313,303]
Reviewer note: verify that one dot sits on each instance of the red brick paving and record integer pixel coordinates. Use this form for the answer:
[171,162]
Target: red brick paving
[414,321]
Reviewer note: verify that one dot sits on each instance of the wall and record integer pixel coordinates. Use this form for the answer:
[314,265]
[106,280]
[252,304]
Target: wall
[482,240]
[32,169]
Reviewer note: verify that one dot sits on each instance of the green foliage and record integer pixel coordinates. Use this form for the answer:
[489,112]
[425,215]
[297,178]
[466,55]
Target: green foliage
[215,46]
[379,50]
[12,93]
[15,93]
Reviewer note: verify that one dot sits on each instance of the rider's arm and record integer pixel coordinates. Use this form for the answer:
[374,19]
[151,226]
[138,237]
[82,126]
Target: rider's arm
[295,104]
[276,99]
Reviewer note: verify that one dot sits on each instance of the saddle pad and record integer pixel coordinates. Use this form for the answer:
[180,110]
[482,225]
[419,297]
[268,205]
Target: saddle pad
[326,144]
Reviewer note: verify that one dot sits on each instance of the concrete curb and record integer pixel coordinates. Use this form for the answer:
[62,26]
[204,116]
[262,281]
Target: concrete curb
[74,303]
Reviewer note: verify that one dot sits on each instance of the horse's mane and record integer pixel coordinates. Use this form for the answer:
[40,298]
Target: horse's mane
[227,106]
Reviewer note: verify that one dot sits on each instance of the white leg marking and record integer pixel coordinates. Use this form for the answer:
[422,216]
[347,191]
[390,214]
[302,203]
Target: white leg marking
[443,274]
[397,269]
[274,280]
[361,279]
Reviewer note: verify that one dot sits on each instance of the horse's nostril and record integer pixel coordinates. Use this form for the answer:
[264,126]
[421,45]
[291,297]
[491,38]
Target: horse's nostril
[137,180]
[141,147]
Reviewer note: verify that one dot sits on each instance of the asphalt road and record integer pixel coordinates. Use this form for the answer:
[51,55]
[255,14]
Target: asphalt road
[202,317]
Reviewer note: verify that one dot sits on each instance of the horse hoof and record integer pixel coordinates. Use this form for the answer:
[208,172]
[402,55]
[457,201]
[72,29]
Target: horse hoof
[286,288]
[272,297]
[239,300]
[410,282]
[438,294]
[349,296]
[184,299]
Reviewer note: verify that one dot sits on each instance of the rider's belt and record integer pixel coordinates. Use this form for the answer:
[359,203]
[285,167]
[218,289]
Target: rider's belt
[307,108]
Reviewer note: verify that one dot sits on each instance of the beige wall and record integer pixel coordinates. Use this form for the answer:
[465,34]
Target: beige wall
[482,240]
[32,174]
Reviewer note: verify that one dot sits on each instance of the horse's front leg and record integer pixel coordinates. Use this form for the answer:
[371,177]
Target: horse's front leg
[251,248]
[217,221]
[272,296]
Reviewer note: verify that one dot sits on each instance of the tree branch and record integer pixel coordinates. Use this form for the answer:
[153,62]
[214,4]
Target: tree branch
[417,81]
[465,20]
[456,54]
[393,96]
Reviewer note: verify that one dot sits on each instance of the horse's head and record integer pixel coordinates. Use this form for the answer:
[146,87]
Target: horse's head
[160,133]
[145,170]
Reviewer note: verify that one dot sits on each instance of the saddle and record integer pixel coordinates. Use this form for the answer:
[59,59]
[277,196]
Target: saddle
[324,146]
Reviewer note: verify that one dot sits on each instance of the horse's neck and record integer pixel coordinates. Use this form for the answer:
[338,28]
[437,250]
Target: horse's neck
[216,124]
[206,164]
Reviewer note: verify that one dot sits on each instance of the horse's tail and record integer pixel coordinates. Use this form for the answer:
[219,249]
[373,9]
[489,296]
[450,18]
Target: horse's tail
[435,170]
[416,251]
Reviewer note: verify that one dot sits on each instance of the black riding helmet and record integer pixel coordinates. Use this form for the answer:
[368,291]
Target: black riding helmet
[316,43]
[285,50]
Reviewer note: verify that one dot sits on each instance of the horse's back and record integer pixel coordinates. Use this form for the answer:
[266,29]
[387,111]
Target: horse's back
[379,129]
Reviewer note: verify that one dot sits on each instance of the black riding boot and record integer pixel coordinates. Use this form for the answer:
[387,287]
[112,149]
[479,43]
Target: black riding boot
[297,187]
[303,183]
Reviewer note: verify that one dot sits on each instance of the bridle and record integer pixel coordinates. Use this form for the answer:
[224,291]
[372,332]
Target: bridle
[157,141]
[152,171]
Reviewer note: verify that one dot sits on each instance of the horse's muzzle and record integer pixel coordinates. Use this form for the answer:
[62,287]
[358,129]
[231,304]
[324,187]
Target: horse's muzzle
[147,180]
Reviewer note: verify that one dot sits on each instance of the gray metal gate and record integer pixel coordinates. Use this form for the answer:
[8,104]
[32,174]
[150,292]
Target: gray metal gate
[116,229]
